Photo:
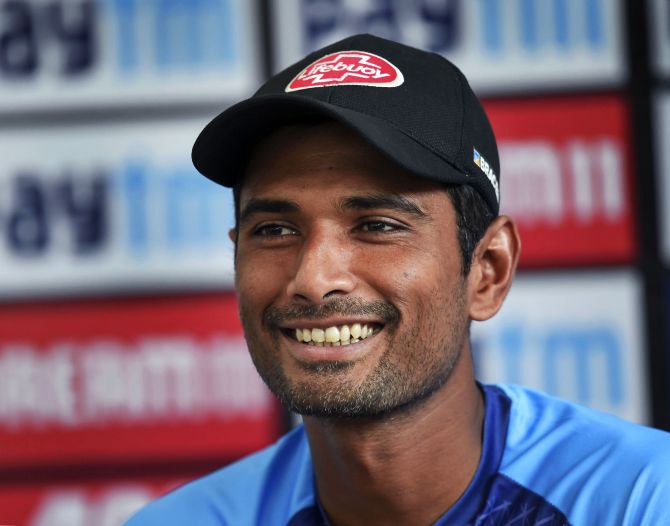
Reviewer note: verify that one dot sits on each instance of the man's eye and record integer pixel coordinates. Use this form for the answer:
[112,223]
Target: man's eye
[274,231]
[378,226]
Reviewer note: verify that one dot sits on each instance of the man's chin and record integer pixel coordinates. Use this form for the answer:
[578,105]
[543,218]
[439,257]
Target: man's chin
[350,388]
[342,399]
[340,409]
[321,389]
[326,366]
[350,409]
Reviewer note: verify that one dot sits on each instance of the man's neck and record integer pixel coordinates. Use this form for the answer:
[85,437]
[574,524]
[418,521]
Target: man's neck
[406,468]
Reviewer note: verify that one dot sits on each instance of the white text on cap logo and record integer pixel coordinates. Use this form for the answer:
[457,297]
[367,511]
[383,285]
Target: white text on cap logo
[485,167]
[358,68]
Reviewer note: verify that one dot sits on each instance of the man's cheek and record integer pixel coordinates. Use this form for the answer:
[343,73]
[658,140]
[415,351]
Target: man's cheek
[252,282]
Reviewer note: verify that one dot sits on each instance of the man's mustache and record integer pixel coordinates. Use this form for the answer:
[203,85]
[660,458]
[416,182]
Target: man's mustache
[346,307]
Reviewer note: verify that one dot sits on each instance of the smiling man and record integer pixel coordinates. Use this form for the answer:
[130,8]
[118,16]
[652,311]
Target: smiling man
[367,239]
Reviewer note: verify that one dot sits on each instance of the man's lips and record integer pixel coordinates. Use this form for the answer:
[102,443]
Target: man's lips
[342,329]
[331,334]
[317,349]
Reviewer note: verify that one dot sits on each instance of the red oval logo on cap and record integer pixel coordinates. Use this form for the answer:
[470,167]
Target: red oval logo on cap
[357,68]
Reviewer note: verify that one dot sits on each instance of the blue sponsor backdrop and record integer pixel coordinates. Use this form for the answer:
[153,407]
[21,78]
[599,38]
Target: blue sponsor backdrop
[575,335]
[86,52]
[539,24]
[500,45]
[72,32]
[121,208]
[83,204]
[555,343]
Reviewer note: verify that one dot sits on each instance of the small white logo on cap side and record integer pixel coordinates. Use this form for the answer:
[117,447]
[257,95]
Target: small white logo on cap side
[488,171]
[358,68]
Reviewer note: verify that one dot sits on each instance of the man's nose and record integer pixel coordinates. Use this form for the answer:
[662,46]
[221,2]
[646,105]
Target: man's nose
[323,269]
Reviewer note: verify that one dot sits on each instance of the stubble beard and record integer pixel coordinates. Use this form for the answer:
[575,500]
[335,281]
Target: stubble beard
[414,365]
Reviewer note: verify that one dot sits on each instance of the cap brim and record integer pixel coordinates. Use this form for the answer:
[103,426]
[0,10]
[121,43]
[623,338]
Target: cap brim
[221,150]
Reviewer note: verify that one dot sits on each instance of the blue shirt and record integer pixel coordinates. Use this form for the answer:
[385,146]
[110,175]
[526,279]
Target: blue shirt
[544,462]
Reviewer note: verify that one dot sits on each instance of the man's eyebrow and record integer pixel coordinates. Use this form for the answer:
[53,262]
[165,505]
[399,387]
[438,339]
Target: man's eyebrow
[383,201]
[258,205]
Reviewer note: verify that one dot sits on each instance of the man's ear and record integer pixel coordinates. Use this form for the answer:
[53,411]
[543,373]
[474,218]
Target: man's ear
[232,234]
[493,266]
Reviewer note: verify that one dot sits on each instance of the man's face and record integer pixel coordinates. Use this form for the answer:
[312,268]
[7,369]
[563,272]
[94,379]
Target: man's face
[333,237]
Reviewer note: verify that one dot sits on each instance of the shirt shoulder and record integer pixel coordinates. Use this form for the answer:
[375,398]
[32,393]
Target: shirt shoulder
[268,487]
[596,468]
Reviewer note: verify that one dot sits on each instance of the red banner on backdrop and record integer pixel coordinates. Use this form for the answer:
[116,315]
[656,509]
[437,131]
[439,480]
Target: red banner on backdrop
[127,381]
[94,503]
[566,177]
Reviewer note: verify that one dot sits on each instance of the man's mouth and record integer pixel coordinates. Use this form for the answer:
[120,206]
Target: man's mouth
[336,335]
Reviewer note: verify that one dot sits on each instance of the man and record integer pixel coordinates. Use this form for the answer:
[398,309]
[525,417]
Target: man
[367,239]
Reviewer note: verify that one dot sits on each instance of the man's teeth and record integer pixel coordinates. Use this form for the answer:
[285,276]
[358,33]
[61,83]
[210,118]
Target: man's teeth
[334,336]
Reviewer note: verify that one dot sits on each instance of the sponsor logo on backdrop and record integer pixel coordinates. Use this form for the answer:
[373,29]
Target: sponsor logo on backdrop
[107,381]
[73,38]
[110,207]
[357,68]
[531,25]
[76,508]
[497,43]
[96,503]
[548,183]
[583,344]
[566,178]
[122,380]
[590,355]
[78,51]
[170,208]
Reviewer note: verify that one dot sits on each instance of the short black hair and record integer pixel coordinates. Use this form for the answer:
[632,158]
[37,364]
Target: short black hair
[473,217]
